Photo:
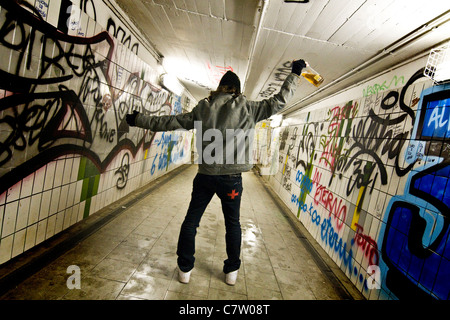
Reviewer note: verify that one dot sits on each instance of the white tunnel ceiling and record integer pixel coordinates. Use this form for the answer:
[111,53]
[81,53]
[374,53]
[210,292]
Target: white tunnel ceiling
[201,39]
[198,39]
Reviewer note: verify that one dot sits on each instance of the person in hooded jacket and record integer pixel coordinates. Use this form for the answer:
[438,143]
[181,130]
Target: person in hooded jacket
[219,172]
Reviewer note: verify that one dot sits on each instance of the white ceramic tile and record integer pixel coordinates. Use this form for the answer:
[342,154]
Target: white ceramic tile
[81,210]
[41,230]
[30,237]
[9,219]
[2,198]
[71,194]
[51,223]
[59,172]
[2,209]
[27,186]
[59,223]
[67,171]
[22,214]
[45,204]
[102,201]
[6,248]
[63,197]
[393,184]
[74,21]
[49,175]
[79,187]
[42,7]
[6,53]
[83,25]
[54,201]
[13,192]
[93,207]
[38,183]
[101,183]
[382,201]
[373,201]
[18,242]
[75,168]
[90,28]
[67,217]
[75,214]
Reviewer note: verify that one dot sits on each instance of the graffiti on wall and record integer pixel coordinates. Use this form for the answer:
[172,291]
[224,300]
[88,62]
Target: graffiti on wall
[385,85]
[371,182]
[71,20]
[61,97]
[65,89]
[415,250]
[277,80]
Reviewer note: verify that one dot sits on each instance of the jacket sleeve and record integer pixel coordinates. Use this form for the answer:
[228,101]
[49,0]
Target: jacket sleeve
[265,108]
[166,123]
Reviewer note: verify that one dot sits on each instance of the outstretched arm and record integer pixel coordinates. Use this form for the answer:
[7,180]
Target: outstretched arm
[265,108]
[161,123]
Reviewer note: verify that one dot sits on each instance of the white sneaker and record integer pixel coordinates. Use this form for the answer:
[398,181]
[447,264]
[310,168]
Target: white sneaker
[230,278]
[184,277]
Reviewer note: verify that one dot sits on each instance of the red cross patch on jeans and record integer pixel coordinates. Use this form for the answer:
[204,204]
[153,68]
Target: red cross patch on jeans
[233,194]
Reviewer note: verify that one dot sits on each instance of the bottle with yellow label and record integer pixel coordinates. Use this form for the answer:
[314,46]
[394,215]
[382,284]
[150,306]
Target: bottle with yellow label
[312,75]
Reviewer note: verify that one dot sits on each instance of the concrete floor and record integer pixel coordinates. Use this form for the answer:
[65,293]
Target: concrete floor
[133,256]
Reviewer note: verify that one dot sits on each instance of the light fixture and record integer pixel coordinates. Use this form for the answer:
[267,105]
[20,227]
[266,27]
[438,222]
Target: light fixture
[438,64]
[275,120]
[171,83]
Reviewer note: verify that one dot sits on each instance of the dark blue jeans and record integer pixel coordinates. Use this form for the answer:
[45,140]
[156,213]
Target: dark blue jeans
[229,189]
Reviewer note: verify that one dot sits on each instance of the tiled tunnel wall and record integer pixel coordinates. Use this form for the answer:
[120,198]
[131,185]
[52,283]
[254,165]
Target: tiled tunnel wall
[65,148]
[368,176]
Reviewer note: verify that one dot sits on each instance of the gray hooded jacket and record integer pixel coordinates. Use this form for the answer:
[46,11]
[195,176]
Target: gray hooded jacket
[226,149]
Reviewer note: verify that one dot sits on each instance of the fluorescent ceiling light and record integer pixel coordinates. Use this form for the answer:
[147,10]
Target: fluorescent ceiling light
[275,120]
[172,84]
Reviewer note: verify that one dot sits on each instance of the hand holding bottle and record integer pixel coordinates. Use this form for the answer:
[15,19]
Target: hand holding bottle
[312,75]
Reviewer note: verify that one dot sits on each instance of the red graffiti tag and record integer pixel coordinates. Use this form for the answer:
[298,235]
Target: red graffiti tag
[334,205]
[367,244]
